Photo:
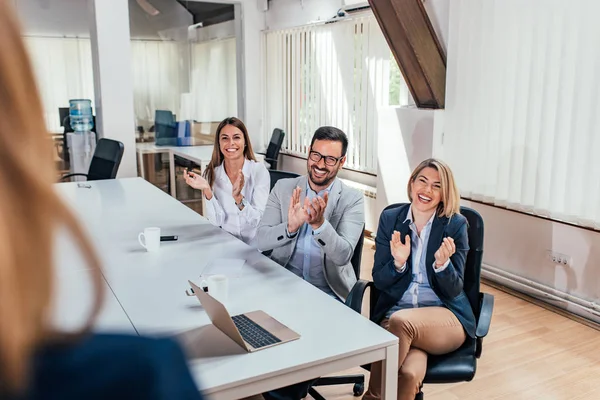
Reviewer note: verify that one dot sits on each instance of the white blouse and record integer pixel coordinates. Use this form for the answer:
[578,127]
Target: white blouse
[221,209]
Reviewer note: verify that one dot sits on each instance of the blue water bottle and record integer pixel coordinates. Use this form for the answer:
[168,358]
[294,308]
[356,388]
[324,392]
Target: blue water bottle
[80,113]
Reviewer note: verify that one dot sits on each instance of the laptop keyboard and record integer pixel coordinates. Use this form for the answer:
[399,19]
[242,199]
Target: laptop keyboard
[253,333]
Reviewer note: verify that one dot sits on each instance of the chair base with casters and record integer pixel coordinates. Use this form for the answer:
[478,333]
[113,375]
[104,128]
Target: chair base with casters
[461,364]
[358,380]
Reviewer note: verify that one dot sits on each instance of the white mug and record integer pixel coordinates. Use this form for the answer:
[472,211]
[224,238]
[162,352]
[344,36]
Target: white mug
[151,239]
[218,287]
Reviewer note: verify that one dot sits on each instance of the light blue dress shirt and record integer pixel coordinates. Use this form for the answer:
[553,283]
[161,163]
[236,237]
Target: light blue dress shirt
[307,261]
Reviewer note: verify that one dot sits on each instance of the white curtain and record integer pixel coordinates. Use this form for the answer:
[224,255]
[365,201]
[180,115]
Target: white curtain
[63,69]
[214,80]
[156,78]
[522,105]
[333,74]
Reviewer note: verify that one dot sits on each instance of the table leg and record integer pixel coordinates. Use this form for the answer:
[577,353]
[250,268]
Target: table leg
[389,374]
[140,157]
[172,174]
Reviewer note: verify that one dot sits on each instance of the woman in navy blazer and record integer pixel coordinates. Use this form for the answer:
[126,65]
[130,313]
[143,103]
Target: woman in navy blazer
[419,265]
[36,360]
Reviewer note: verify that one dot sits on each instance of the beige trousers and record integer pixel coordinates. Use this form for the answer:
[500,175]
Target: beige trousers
[422,331]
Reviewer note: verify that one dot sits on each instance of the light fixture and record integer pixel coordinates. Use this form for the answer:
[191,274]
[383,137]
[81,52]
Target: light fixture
[149,8]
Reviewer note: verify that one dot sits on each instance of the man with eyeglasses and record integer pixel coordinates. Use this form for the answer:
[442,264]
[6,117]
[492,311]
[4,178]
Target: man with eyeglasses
[312,223]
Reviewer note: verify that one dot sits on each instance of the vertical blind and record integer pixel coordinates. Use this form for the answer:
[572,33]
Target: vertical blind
[522,109]
[333,74]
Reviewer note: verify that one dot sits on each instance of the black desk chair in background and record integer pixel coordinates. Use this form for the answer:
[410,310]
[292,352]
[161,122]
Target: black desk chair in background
[277,175]
[274,147]
[105,162]
[460,365]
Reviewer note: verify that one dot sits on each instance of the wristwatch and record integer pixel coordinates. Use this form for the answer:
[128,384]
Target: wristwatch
[241,204]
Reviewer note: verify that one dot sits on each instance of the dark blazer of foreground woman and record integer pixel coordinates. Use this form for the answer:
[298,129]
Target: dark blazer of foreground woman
[447,285]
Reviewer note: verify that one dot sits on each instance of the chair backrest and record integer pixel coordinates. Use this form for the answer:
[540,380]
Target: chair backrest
[275,144]
[357,255]
[472,275]
[106,160]
[277,175]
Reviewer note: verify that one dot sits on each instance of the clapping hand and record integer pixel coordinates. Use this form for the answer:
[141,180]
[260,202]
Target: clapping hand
[297,214]
[316,210]
[238,185]
[195,180]
[400,251]
[444,252]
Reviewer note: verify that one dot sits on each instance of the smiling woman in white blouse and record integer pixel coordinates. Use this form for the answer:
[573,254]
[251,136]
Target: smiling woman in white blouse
[235,185]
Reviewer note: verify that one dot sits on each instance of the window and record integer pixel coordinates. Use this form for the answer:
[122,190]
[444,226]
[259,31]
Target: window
[332,74]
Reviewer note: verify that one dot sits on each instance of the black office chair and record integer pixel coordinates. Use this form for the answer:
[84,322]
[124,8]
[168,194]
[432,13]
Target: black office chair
[460,365]
[272,153]
[105,162]
[277,175]
[357,380]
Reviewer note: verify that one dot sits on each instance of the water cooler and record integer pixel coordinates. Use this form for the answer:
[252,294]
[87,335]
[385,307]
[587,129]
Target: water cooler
[81,142]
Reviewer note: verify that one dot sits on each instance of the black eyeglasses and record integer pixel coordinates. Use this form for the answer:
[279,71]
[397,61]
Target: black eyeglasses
[329,160]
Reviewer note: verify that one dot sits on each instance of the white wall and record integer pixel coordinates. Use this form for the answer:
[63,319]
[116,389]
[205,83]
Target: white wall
[438,12]
[289,13]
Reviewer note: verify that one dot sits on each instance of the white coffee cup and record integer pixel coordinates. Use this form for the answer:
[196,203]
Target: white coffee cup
[218,287]
[151,238]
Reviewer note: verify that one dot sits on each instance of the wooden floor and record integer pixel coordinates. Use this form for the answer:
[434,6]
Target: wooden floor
[529,353]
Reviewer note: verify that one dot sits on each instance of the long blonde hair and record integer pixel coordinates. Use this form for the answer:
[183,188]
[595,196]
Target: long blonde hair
[30,214]
[450,202]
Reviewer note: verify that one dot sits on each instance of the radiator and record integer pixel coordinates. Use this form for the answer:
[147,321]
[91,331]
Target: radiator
[370,196]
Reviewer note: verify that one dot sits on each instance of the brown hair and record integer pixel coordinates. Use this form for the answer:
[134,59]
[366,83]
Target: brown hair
[30,214]
[450,202]
[217,155]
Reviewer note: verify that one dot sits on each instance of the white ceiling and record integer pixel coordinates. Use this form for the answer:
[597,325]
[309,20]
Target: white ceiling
[72,18]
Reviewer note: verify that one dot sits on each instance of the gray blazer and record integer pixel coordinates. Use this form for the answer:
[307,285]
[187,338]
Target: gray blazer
[346,216]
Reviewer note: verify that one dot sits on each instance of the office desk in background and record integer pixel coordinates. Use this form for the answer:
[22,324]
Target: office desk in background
[200,155]
[150,287]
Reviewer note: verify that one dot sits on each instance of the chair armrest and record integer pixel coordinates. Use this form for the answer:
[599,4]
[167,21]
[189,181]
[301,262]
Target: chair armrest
[68,176]
[485,315]
[355,298]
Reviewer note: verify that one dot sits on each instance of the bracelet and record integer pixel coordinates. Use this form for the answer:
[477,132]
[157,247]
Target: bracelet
[240,205]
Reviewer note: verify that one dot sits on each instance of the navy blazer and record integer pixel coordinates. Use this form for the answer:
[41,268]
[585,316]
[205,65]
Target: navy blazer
[447,284]
[106,366]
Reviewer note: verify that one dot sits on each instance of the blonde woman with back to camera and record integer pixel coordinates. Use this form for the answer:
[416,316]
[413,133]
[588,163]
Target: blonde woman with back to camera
[419,268]
[36,360]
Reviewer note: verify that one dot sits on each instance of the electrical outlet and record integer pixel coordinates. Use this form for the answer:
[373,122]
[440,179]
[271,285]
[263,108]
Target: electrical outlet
[558,258]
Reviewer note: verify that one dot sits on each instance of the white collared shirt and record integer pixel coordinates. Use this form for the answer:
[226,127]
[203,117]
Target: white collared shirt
[221,209]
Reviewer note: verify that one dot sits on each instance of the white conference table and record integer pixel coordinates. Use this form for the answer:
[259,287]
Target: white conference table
[150,287]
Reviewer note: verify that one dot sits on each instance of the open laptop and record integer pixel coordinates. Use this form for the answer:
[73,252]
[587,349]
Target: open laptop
[253,331]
